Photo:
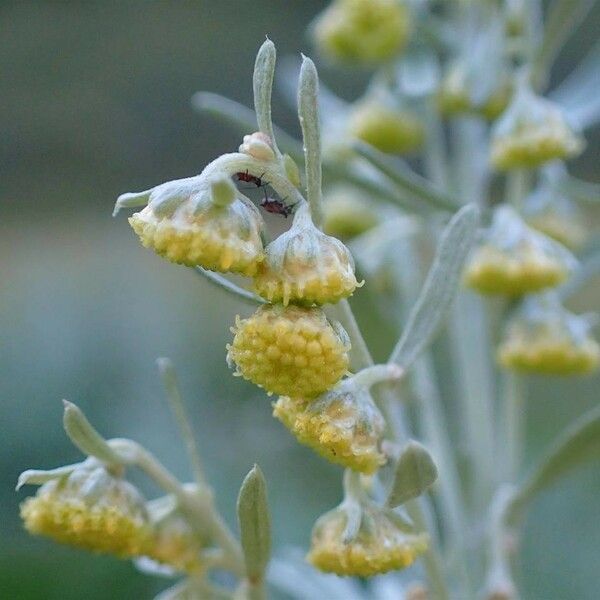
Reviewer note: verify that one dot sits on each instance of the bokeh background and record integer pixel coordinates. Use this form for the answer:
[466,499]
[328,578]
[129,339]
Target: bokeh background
[94,101]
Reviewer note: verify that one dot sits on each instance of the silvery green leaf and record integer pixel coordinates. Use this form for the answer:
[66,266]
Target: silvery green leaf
[38,477]
[579,444]
[439,288]
[577,93]
[588,268]
[255,523]
[308,113]
[85,437]
[264,71]
[562,19]
[398,172]
[415,471]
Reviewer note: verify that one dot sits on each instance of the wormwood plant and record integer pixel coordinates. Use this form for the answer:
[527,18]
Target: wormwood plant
[457,86]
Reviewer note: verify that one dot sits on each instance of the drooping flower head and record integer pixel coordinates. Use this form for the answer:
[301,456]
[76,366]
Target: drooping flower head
[344,425]
[306,266]
[362,31]
[549,210]
[346,214]
[289,350]
[457,94]
[200,222]
[516,260]
[380,121]
[545,338]
[363,540]
[92,509]
[532,131]
[173,542]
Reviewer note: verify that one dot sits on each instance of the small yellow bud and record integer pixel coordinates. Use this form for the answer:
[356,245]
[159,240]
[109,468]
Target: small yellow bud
[173,542]
[258,145]
[346,214]
[548,210]
[547,339]
[207,228]
[90,509]
[454,96]
[391,130]
[362,31]
[306,266]
[530,132]
[289,350]
[516,260]
[382,543]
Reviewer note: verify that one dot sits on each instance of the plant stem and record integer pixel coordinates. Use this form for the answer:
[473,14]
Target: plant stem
[514,422]
[231,288]
[197,504]
[395,422]
[167,371]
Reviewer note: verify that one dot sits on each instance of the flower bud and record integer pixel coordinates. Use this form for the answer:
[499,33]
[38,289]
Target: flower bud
[389,129]
[343,425]
[532,131]
[92,509]
[456,95]
[258,145]
[545,338]
[289,350]
[382,541]
[548,210]
[173,542]
[346,214]
[515,260]
[306,266]
[362,31]
[195,222]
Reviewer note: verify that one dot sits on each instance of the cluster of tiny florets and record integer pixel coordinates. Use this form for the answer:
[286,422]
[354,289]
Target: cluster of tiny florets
[219,239]
[289,350]
[337,427]
[379,546]
[111,520]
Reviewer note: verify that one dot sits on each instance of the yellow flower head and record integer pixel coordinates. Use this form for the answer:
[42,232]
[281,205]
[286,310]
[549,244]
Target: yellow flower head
[173,542]
[547,339]
[343,425]
[515,260]
[289,350]
[389,129]
[362,31]
[91,509]
[380,542]
[530,132]
[306,266]
[346,214]
[455,95]
[196,222]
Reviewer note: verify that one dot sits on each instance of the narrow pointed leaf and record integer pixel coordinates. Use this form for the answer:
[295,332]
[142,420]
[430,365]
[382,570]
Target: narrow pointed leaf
[407,180]
[415,472]
[38,477]
[264,71]
[308,113]
[85,437]
[579,444]
[255,524]
[439,288]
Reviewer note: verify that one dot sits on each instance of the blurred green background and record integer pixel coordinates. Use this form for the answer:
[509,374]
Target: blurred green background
[95,101]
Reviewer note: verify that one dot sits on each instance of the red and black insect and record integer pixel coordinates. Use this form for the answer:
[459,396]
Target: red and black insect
[249,178]
[276,207]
